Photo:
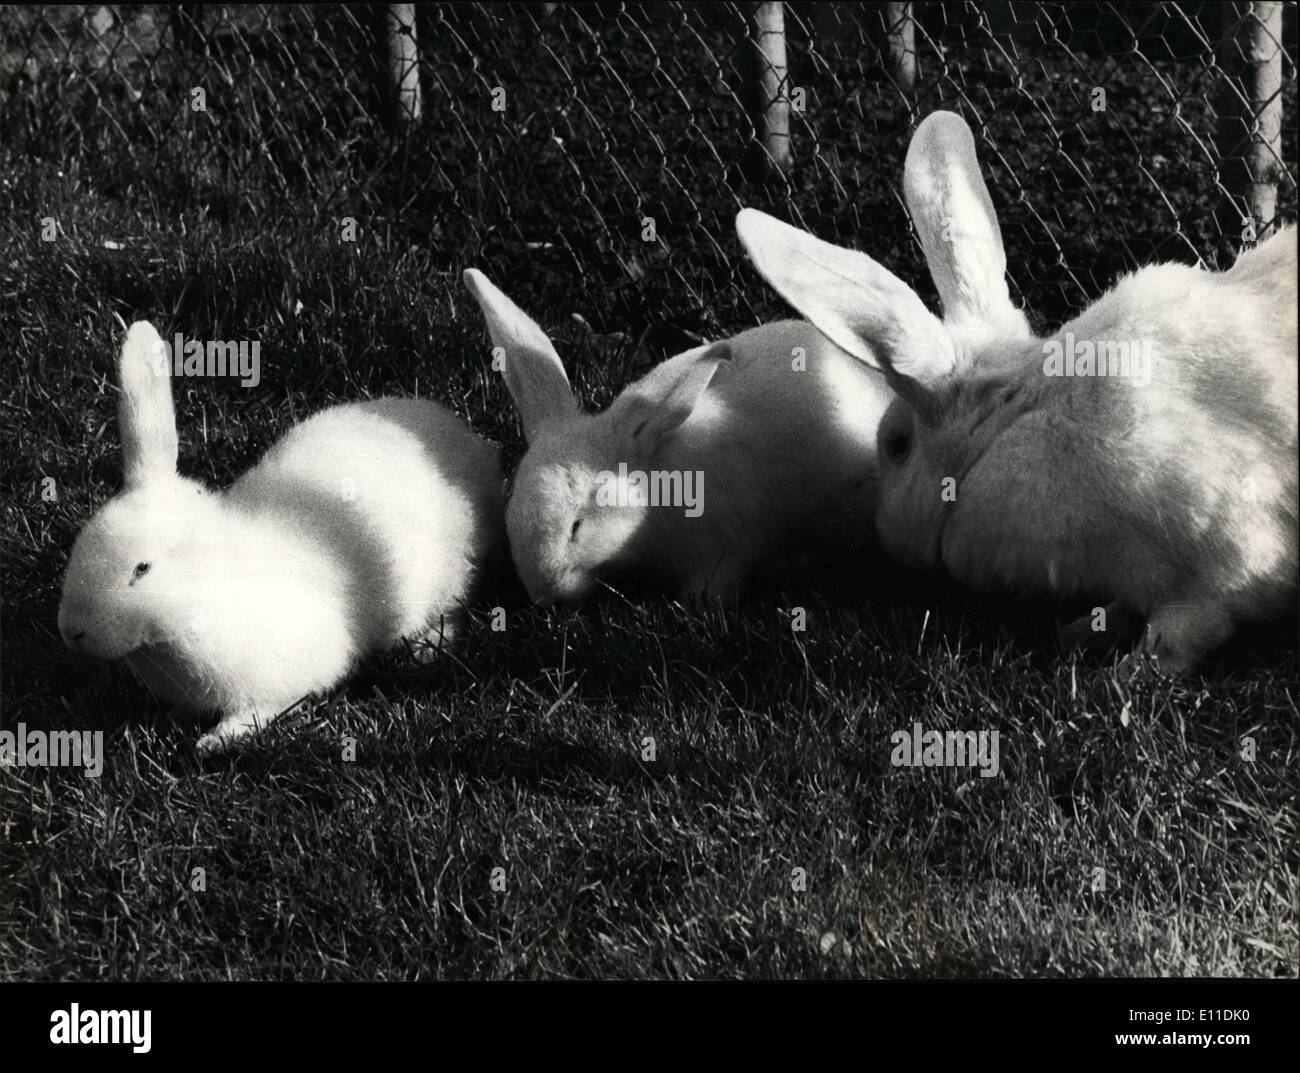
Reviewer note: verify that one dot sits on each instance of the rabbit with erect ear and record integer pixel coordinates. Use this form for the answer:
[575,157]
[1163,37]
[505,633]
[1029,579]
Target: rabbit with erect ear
[360,527]
[695,472]
[1145,452]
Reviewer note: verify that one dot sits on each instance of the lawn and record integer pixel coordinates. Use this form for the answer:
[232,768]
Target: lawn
[634,788]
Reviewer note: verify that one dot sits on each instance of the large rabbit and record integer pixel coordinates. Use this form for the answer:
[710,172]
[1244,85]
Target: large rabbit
[1145,453]
[361,526]
[767,430]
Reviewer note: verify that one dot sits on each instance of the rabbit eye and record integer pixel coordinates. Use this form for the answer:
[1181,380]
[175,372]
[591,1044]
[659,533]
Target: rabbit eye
[140,570]
[897,445]
[573,533]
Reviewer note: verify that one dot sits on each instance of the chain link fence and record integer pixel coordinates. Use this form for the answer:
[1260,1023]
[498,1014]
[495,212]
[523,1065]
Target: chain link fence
[591,156]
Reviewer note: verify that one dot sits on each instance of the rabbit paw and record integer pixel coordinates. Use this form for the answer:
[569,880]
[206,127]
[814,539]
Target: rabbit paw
[429,645]
[1179,635]
[228,731]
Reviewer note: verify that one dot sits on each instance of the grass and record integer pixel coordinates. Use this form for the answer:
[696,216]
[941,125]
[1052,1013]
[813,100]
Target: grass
[771,753]
[524,750]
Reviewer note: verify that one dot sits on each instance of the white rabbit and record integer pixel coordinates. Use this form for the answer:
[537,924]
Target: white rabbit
[361,526]
[768,430]
[1170,488]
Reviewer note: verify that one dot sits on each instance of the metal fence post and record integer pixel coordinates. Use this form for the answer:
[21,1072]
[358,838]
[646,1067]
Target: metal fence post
[766,79]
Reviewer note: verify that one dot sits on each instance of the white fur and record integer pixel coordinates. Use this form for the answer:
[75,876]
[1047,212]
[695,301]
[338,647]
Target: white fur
[1176,499]
[361,526]
[778,447]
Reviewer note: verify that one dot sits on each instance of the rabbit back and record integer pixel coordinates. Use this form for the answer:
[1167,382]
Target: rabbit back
[399,496]
[785,433]
[1180,484]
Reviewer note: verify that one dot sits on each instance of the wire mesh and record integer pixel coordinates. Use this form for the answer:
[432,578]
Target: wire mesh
[599,148]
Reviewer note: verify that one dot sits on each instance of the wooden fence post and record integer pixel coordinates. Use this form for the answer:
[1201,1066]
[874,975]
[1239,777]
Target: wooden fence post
[766,86]
[403,54]
[1250,120]
[900,31]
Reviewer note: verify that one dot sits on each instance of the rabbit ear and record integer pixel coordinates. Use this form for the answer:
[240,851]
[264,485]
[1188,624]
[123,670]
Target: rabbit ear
[856,303]
[533,370]
[665,397]
[145,415]
[958,228]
